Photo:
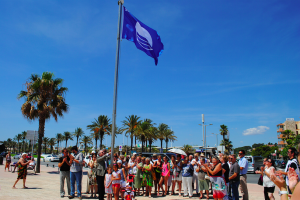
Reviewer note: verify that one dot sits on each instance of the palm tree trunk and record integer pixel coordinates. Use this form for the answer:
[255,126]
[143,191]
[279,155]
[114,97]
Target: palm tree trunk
[18,147]
[57,146]
[150,143]
[41,134]
[142,146]
[96,143]
[161,145]
[146,145]
[101,138]
[131,143]
[66,142]
[166,146]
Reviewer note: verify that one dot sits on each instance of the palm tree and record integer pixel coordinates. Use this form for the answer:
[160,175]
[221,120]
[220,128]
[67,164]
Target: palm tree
[227,144]
[9,143]
[287,134]
[223,131]
[129,124]
[51,143]
[59,138]
[141,132]
[44,97]
[102,125]
[187,148]
[95,134]
[78,133]
[86,140]
[24,134]
[169,136]
[67,136]
[18,138]
[151,136]
[162,128]
[45,142]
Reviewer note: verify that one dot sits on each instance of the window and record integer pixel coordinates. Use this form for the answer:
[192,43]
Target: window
[258,159]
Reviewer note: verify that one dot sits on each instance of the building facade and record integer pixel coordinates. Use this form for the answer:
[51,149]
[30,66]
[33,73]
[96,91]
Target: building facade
[289,124]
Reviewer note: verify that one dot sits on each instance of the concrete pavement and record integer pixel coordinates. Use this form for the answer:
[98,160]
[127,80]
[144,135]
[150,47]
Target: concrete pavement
[45,186]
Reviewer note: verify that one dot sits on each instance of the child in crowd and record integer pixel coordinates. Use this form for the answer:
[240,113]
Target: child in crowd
[108,183]
[116,178]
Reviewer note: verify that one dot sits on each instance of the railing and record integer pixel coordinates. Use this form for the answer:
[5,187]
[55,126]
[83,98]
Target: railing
[282,142]
[280,136]
[280,130]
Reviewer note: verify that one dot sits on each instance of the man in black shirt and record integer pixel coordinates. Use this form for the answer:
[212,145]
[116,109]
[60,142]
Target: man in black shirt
[64,165]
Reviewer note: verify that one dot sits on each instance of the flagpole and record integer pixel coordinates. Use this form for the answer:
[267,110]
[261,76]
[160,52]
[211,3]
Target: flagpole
[120,3]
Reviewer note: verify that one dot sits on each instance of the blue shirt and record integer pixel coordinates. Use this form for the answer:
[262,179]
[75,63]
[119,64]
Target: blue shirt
[243,162]
[187,170]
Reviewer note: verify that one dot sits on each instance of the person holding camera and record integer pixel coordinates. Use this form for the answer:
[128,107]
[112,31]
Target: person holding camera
[64,165]
[76,162]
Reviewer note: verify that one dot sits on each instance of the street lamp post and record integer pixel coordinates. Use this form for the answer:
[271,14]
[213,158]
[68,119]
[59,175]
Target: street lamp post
[204,132]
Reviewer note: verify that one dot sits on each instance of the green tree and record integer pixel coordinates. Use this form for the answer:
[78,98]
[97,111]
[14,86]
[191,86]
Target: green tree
[45,142]
[59,138]
[18,138]
[129,124]
[24,134]
[67,136]
[257,145]
[51,143]
[151,136]
[141,132]
[95,134]
[86,140]
[223,131]
[44,97]
[169,136]
[78,133]
[101,125]
[161,133]
[187,148]
[227,144]
[264,151]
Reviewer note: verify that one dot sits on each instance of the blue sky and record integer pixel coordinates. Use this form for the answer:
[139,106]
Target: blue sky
[237,62]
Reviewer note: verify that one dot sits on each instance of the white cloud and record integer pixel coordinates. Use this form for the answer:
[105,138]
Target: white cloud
[256,131]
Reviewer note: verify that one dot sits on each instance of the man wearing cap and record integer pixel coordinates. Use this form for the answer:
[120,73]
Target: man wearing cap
[203,156]
[154,159]
[76,162]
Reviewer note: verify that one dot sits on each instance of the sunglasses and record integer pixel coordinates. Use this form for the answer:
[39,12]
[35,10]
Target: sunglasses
[229,158]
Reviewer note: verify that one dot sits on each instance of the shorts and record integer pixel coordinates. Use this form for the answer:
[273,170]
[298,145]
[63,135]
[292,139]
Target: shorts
[157,175]
[269,189]
[203,184]
[117,185]
[177,177]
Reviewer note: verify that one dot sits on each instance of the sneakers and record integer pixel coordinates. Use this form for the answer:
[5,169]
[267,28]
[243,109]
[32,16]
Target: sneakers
[71,197]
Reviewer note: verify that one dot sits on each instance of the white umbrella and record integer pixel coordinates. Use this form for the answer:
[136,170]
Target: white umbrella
[177,151]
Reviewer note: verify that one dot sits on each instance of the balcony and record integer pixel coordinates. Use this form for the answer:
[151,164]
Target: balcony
[282,143]
[280,130]
[280,136]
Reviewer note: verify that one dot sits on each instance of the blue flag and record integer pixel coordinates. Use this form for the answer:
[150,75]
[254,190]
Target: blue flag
[144,37]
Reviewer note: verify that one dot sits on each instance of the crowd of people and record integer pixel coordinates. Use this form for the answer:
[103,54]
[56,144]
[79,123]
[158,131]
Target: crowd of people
[157,175]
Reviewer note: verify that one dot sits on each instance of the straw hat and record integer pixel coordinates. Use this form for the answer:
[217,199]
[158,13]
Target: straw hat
[202,154]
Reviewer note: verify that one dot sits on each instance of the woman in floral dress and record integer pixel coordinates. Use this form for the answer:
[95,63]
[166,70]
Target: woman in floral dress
[147,177]
[92,175]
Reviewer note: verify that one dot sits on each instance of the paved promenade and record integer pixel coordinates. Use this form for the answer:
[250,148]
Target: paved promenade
[45,186]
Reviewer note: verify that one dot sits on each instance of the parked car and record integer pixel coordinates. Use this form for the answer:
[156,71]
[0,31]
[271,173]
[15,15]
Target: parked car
[3,154]
[254,163]
[282,164]
[52,158]
[17,156]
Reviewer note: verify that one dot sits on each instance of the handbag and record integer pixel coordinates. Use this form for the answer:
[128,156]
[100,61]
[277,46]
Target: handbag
[153,175]
[260,180]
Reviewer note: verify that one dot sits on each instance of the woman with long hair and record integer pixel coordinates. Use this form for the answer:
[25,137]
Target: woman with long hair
[92,175]
[158,168]
[269,186]
[165,176]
